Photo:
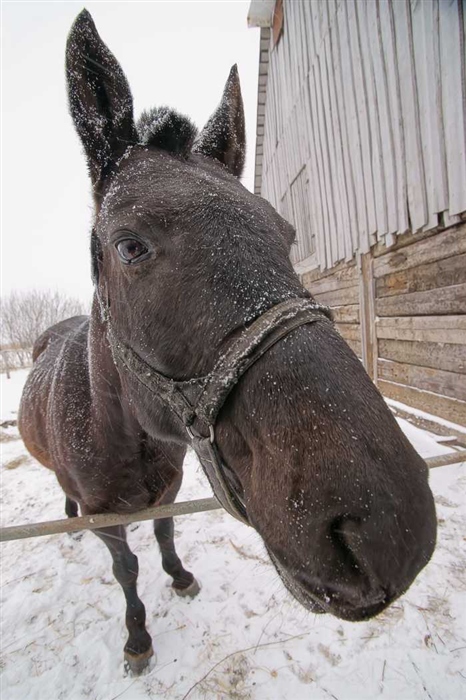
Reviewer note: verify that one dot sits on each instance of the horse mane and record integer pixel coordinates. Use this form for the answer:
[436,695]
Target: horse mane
[165,128]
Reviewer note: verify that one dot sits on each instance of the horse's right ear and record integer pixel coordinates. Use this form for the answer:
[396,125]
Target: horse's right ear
[100,100]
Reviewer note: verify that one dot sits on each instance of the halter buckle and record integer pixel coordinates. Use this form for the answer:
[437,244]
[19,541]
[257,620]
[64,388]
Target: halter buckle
[211,433]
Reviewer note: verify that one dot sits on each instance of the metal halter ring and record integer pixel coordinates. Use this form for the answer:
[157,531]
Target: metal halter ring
[211,433]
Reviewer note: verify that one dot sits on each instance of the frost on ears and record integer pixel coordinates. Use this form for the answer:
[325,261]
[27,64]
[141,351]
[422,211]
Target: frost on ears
[100,99]
[101,106]
[224,137]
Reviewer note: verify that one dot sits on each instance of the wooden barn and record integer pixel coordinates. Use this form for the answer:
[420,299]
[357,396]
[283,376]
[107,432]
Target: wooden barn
[361,145]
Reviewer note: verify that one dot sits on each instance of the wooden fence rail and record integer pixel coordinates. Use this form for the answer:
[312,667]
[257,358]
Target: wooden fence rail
[93,522]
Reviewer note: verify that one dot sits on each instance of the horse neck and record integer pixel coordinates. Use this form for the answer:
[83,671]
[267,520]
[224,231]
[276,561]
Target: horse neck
[108,399]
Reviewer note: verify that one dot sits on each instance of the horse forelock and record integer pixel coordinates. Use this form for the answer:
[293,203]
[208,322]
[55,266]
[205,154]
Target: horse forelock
[166,129]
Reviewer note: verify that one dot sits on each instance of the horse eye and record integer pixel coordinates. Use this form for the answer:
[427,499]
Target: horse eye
[130,249]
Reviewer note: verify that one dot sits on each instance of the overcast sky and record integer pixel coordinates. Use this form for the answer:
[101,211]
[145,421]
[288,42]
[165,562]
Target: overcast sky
[173,53]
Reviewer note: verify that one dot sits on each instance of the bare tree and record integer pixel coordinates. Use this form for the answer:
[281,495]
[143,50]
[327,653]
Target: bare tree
[25,315]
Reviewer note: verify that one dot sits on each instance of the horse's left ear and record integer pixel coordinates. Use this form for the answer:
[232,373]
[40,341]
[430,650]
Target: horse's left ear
[224,137]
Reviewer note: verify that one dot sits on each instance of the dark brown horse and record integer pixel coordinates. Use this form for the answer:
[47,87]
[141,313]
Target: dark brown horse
[185,262]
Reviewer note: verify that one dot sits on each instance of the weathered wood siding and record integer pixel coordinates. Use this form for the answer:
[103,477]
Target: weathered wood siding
[420,322]
[339,289]
[362,146]
[407,319]
[364,109]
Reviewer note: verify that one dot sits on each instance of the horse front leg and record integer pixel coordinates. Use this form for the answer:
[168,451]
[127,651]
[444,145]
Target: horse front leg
[138,648]
[184,583]
[71,508]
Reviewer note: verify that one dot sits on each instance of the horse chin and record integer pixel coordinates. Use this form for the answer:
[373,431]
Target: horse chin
[298,592]
[302,596]
[321,603]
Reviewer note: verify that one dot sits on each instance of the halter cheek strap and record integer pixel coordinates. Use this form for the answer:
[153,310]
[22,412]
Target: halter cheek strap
[197,402]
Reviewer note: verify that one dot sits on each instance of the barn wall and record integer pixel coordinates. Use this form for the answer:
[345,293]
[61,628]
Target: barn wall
[411,334]
[364,109]
[420,307]
[339,289]
[361,144]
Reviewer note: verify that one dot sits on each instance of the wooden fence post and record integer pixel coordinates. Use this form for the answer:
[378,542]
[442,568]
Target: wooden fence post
[367,310]
[6,362]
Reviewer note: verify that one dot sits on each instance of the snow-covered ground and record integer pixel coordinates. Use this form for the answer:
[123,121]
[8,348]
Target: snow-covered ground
[243,637]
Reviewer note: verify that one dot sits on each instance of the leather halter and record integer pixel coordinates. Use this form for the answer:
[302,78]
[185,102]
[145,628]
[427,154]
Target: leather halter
[197,402]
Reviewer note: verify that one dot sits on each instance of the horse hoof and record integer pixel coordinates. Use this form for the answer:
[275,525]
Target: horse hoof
[190,592]
[137,664]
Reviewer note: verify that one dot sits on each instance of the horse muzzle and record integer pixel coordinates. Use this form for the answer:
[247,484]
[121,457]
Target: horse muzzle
[353,604]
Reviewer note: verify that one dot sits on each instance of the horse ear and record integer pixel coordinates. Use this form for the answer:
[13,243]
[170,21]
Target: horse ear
[224,137]
[99,97]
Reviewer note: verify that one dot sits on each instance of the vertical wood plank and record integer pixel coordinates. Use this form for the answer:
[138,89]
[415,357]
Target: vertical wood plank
[430,127]
[287,76]
[290,46]
[345,140]
[298,156]
[361,99]
[315,13]
[367,315]
[324,18]
[302,214]
[303,134]
[375,143]
[391,70]
[453,102]
[386,132]
[315,106]
[435,114]
[290,26]
[309,25]
[332,8]
[415,180]
[354,142]
[301,19]
[328,140]
[344,225]
[315,181]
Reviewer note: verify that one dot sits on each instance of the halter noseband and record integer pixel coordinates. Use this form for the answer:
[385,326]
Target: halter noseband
[197,402]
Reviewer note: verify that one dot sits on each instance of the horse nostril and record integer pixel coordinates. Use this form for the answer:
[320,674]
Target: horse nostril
[358,584]
[345,534]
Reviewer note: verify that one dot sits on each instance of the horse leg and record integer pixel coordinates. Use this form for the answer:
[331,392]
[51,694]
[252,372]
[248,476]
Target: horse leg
[71,508]
[184,583]
[138,648]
